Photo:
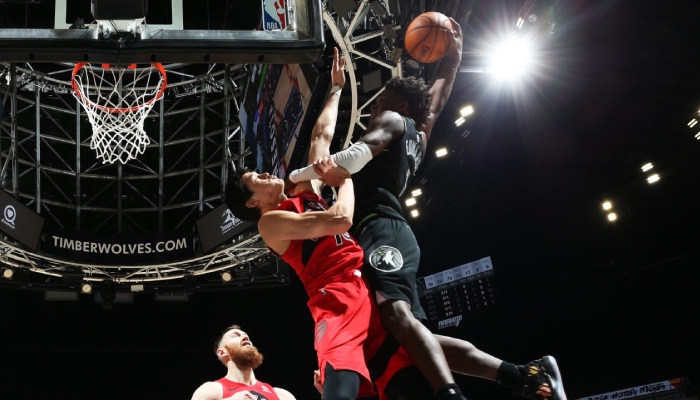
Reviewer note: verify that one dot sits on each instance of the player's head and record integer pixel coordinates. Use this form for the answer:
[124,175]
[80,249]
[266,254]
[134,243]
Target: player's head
[408,96]
[234,345]
[248,193]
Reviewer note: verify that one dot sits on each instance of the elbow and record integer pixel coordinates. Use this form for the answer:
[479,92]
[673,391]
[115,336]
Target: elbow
[342,224]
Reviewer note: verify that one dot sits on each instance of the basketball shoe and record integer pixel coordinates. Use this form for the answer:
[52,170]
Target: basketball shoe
[543,380]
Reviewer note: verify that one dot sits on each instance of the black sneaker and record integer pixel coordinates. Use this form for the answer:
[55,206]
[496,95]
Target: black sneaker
[543,380]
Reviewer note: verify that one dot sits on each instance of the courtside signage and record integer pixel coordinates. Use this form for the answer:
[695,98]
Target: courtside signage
[124,249]
[19,222]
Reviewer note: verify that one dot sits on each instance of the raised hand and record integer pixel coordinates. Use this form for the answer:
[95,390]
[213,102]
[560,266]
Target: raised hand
[338,69]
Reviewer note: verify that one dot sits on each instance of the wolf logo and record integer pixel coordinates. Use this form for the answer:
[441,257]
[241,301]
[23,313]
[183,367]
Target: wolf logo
[386,259]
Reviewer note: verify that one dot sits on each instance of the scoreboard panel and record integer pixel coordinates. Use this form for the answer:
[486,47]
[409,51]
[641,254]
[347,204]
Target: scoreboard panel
[448,295]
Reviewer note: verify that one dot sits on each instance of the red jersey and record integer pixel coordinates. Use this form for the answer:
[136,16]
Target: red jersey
[320,261]
[262,390]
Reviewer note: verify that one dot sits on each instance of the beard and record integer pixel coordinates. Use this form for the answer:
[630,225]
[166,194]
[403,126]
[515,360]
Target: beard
[246,357]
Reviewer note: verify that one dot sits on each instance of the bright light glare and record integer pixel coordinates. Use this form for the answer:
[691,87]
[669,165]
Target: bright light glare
[607,205]
[612,217]
[512,58]
[466,111]
[692,122]
[411,202]
[653,178]
[416,192]
[414,213]
[441,152]
[697,136]
[460,121]
[646,167]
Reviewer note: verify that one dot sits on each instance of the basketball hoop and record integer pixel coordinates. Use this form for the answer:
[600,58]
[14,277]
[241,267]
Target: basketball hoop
[117,102]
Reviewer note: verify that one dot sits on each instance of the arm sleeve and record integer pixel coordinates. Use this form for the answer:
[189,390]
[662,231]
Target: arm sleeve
[352,159]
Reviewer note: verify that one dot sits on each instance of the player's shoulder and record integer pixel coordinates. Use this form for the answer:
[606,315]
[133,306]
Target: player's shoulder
[211,390]
[284,394]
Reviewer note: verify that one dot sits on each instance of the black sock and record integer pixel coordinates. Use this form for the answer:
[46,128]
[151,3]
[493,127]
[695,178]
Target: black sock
[449,392]
[510,376]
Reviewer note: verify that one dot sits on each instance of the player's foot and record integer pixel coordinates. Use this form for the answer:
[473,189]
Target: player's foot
[543,380]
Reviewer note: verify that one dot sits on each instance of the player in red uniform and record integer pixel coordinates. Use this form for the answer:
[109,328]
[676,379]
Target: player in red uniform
[235,350]
[312,238]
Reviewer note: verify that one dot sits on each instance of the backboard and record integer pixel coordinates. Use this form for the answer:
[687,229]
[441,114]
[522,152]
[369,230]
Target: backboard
[171,32]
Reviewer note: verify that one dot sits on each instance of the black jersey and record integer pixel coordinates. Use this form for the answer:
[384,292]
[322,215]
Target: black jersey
[380,183]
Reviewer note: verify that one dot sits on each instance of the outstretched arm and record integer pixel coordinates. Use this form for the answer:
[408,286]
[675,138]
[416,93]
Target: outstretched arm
[324,129]
[442,86]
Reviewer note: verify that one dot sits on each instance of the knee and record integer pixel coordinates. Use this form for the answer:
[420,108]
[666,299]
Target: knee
[396,316]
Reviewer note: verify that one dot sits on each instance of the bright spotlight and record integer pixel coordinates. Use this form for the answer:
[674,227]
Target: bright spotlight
[441,152]
[646,167]
[414,213]
[416,192]
[607,205]
[411,202]
[653,178]
[512,58]
[612,217]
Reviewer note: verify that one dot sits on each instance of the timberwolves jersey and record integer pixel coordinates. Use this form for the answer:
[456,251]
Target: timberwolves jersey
[380,183]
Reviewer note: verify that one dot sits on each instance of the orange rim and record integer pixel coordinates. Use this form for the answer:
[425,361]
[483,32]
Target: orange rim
[158,95]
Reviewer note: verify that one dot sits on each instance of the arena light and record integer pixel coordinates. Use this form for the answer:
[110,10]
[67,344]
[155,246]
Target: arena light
[653,178]
[466,111]
[8,273]
[512,58]
[414,213]
[692,122]
[607,205]
[612,217]
[416,192]
[86,288]
[646,167]
[411,202]
[226,276]
[441,152]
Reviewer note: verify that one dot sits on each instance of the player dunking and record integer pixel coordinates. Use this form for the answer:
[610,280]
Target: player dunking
[382,161]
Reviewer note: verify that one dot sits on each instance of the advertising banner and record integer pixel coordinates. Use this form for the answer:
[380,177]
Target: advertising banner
[126,249]
[19,222]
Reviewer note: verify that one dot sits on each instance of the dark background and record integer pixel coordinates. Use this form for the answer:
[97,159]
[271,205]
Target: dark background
[522,183]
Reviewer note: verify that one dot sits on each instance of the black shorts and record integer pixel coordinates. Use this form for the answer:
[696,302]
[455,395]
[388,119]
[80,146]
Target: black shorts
[391,263]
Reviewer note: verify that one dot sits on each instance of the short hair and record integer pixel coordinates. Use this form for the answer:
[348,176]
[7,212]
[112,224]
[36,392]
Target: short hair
[237,194]
[416,93]
[217,343]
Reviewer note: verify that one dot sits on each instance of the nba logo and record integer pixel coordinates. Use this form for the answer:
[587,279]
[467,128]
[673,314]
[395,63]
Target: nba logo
[274,15]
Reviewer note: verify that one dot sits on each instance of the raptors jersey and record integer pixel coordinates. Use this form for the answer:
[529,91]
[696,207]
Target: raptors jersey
[380,183]
[262,390]
[321,260]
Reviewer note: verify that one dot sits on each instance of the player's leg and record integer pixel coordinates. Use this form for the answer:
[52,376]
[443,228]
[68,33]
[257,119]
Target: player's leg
[340,384]
[539,379]
[391,263]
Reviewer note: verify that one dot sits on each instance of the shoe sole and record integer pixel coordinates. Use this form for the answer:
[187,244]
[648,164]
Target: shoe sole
[553,370]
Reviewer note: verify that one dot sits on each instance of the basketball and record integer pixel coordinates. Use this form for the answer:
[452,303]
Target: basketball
[428,37]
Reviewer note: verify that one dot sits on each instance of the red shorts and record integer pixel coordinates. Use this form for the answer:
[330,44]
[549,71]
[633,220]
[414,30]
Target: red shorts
[342,312]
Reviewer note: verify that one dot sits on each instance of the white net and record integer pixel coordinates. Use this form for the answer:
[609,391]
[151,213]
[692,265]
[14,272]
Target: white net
[117,102]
